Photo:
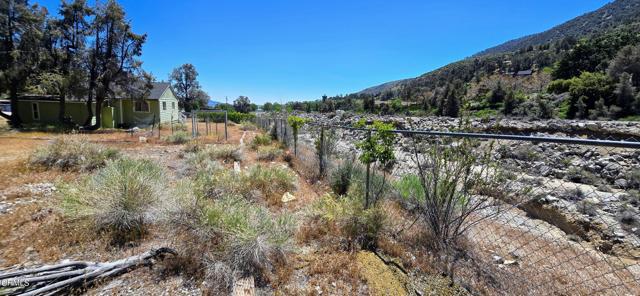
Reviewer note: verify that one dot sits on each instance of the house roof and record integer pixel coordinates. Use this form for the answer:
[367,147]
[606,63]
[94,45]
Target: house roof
[158,89]
[156,92]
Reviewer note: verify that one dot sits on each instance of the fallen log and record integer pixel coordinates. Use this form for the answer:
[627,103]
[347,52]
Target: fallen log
[54,279]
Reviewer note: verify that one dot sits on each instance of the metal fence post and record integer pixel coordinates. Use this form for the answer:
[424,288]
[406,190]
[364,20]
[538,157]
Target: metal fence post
[321,152]
[367,179]
[225,126]
[193,124]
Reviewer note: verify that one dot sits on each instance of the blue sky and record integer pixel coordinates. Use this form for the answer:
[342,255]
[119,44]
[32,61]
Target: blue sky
[281,50]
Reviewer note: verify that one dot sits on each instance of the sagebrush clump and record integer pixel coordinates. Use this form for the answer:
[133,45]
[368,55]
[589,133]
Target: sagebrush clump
[120,199]
[270,181]
[360,226]
[178,137]
[268,153]
[225,152]
[241,237]
[72,154]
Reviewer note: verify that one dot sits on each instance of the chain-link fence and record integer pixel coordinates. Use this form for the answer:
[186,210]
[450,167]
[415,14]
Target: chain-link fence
[564,212]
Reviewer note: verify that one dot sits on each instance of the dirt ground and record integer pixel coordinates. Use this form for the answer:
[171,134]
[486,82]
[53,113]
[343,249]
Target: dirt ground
[34,232]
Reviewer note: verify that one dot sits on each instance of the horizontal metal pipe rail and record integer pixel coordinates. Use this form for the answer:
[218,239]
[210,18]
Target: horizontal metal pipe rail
[537,139]
[534,139]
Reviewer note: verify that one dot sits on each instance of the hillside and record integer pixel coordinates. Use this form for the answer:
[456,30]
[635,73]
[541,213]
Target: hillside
[605,19]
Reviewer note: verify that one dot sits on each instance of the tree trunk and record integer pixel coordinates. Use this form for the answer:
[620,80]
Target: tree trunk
[98,123]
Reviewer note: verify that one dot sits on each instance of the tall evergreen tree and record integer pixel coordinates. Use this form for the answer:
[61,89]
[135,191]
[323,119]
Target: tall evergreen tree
[21,34]
[184,80]
[116,48]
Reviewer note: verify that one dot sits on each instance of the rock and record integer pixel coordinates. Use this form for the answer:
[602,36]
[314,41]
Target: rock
[287,197]
[142,139]
[236,167]
[497,259]
[621,183]
[510,262]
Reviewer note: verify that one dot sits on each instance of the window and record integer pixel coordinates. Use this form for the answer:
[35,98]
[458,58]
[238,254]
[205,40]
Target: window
[173,105]
[164,106]
[35,111]
[141,106]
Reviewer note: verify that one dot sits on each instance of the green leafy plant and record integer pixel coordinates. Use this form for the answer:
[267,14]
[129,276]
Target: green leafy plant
[296,123]
[260,140]
[376,148]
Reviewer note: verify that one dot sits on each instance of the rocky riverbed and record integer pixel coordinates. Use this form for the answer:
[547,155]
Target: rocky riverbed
[589,192]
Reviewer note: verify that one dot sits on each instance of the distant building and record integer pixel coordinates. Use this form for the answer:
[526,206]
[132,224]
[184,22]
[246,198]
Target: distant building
[524,73]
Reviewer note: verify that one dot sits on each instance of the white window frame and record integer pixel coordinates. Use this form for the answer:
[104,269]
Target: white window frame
[173,105]
[141,111]
[164,106]
[35,110]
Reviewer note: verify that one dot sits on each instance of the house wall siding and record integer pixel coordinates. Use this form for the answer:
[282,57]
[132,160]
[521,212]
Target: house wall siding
[170,113]
[49,111]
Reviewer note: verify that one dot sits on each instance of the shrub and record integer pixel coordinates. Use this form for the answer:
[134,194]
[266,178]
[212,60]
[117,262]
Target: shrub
[628,217]
[214,182]
[179,127]
[225,152]
[272,181]
[178,137]
[361,227]
[253,235]
[248,126]
[68,153]
[268,153]
[578,175]
[193,147]
[260,140]
[410,186]
[587,207]
[341,178]
[241,237]
[119,199]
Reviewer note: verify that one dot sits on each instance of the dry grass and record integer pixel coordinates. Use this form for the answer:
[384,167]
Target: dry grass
[72,153]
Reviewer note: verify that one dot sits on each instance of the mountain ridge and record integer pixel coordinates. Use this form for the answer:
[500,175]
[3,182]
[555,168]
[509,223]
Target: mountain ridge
[606,18]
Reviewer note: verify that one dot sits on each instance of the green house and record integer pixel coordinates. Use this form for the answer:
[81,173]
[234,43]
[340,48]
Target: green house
[161,106]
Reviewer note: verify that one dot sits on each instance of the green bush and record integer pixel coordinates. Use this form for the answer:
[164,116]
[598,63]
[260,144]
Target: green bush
[272,181]
[260,140]
[268,153]
[410,186]
[178,137]
[119,199]
[361,227]
[226,152]
[69,153]
[236,117]
[341,178]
